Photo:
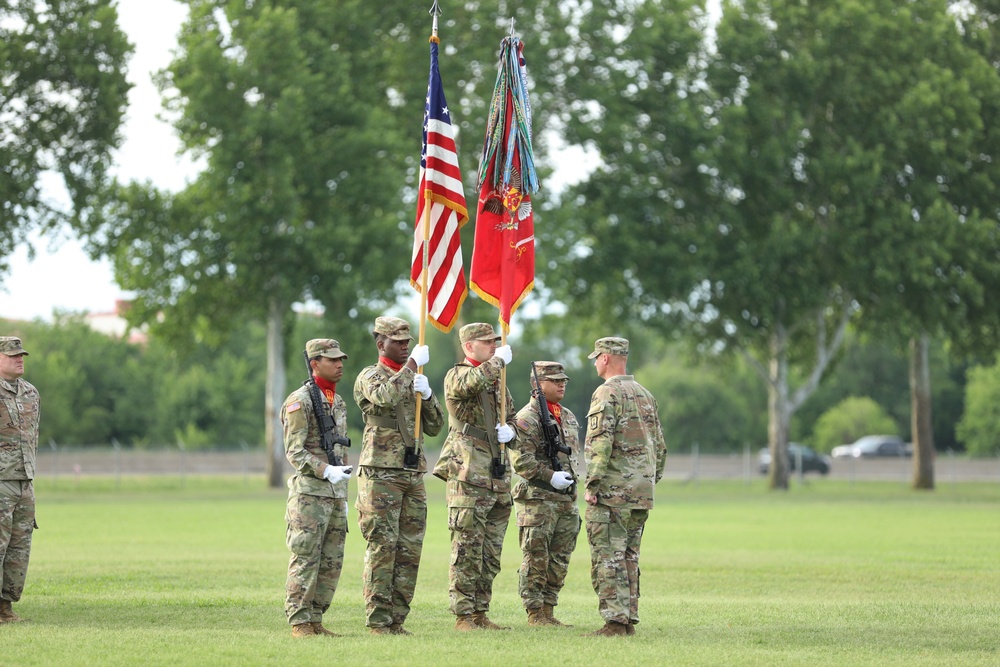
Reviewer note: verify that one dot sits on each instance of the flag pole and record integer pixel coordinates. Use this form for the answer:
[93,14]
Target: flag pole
[503,386]
[435,12]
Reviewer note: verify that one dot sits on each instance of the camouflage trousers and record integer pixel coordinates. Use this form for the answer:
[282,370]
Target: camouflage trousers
[477,519]
[392,515]
[317,528]
[615,534]
[547,531]
[17,521]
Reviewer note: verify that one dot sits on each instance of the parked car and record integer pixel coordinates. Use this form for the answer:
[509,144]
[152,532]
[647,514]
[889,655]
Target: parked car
[872,446]
[811,460]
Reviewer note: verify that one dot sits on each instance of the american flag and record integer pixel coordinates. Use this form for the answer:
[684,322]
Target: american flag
[441,190]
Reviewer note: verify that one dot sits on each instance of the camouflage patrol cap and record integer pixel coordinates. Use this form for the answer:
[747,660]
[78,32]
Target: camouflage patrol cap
[324,347]
[11,346]
[477,331]
[610,345]
[550,370]
[393,327]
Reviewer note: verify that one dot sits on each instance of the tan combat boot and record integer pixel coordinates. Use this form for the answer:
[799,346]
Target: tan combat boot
[303,630]
[398,629]
[380,630]
[320,630]
[630,629]
[7,614]
[465,623]
[537,618]
[485,623]
[610,629]
[550,614]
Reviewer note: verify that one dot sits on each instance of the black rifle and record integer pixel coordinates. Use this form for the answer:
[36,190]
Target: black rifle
[328,436]
[551,436]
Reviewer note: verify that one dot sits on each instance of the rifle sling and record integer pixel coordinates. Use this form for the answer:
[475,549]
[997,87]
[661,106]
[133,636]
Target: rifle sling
[490,417]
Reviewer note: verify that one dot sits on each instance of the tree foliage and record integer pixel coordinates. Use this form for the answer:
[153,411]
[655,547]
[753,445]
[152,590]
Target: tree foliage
[979,428]
[817,161]
[62,98]
[850,419]
[96,388]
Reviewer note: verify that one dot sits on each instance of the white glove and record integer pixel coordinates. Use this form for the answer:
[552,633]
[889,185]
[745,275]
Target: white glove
[504,433]
[337,474]
[561,480]
[421,355]
[504,353]
[421,384]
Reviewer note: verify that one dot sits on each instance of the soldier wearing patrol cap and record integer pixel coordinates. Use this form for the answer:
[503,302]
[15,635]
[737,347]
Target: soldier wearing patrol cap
[392,501]
[477,473]
[18,445]
[625,454]
[548,520]
[317,494]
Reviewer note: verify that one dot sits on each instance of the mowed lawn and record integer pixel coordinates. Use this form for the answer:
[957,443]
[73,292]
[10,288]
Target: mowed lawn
[166,571]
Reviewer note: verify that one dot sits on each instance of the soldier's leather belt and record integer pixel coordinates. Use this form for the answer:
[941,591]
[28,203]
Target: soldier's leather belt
[384,422]
[469,429]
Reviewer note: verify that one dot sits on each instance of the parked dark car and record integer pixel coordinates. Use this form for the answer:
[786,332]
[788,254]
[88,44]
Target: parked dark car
[811,460]
[874,445]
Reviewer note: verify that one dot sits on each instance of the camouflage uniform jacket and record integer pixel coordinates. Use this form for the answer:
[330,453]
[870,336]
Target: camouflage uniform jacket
[18,429]
[378,391]
[530,460]
[625,450]
[465,457]
[302,448]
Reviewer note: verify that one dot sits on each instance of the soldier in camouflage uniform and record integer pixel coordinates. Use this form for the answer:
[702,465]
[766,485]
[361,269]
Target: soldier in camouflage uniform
[475,466]
[392,501]
[625,454]
[18,445]
[545,499]
[317,494]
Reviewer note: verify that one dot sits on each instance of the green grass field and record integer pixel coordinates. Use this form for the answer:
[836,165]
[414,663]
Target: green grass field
[165,573]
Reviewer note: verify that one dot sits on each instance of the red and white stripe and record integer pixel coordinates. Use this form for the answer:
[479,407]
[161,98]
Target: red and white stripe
[441,190]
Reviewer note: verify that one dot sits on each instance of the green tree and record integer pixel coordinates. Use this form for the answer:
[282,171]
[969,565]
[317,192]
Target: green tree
[704,406]
[790,201]
[850,419]
[979,427]
[307,115]
[62,98]
[93,387]
[285,103]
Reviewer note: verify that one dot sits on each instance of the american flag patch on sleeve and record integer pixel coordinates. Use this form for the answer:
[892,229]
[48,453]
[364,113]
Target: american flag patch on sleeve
[292,407]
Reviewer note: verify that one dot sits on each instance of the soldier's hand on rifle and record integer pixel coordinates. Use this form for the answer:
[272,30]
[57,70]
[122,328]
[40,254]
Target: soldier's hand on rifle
[561,480]
[421,385]
[503,352]
[337,474]
[421,355]
[504,433]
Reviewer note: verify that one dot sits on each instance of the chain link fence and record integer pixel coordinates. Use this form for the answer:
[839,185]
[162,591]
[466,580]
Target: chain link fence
[60,461]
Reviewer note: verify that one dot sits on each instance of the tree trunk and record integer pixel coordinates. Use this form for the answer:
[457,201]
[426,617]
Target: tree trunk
[920,404]
[275,395]
[779,413]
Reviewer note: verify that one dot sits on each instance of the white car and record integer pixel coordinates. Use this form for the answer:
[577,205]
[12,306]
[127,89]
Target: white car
[872,446]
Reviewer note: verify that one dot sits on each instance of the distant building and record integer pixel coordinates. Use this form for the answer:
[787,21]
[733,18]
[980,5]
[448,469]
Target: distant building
[114,324]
